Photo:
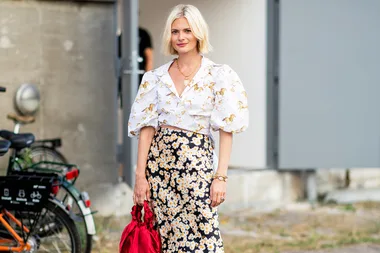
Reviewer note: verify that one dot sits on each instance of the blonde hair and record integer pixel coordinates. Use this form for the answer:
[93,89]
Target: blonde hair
[197,24]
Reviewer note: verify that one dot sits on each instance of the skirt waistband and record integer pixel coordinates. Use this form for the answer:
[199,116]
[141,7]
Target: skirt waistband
[189,133]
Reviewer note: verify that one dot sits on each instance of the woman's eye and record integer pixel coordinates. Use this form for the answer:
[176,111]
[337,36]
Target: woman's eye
[174,32]
[188,31]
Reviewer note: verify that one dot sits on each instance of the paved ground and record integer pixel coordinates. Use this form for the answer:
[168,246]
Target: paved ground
[353,249]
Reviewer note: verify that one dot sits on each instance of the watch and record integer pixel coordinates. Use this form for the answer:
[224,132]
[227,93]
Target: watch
[220,177]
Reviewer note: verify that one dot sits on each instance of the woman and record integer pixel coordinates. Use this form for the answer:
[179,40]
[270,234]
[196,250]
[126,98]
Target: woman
[176,107]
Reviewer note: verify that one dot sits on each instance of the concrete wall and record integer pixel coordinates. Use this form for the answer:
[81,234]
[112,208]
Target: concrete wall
[67,49]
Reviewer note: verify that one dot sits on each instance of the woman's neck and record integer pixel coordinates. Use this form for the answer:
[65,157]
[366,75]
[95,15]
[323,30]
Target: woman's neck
[189,59]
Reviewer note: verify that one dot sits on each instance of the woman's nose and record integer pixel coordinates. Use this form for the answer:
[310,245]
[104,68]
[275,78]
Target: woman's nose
[180,36]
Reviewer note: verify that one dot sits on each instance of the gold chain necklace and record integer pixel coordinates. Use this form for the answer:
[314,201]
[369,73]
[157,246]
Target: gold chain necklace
[186,81]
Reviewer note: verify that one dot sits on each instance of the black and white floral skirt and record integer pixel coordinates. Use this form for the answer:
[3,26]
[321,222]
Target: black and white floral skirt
[179,172]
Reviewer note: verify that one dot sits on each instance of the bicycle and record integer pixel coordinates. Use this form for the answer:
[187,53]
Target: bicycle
[76,203]
[42,155]
[31,218]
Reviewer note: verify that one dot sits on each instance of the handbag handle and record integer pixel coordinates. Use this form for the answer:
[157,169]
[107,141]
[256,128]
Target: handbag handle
[136,213]
[148,215]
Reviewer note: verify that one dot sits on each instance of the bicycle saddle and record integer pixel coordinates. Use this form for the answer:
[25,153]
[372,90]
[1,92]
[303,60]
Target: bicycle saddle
[21,119]
[4,146]
[18,141]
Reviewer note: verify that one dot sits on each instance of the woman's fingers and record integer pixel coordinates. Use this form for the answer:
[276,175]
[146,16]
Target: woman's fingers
[141,199]
[214,200]
[217,198]
[138,198]
[141,192]
[148,195]
[222,198]
[213,195]
[135,199]
[217,194]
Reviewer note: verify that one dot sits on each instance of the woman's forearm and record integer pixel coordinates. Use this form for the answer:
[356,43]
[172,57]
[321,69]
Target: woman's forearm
[145,140]
[225,146]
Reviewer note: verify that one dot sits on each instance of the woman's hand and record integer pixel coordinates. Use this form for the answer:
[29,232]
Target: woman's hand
[141,191]
[218,192]
[219,186]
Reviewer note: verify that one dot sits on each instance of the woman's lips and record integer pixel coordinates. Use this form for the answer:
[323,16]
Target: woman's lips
[181,45]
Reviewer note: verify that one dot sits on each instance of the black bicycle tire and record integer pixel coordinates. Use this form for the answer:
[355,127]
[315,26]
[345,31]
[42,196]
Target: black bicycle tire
[68,222]
[58,155]
[88,236]
[88,243]
[54,152]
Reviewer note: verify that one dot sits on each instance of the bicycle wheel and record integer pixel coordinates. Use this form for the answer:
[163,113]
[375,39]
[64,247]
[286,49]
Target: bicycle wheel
[56,223]
[76,213]
[54,231]
[43,153]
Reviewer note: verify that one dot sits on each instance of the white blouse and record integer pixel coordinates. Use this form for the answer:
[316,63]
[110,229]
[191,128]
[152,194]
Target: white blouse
[215,99]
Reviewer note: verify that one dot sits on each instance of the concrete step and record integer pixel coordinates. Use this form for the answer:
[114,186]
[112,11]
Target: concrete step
[353,195]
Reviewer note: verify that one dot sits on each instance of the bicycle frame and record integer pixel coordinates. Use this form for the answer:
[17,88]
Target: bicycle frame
[22,245]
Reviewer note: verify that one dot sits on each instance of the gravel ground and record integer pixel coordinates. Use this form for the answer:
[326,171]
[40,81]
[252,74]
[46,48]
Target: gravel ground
[352,249]
[324,229]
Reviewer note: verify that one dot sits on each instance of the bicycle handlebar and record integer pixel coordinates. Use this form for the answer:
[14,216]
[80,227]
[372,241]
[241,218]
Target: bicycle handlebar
[2,89]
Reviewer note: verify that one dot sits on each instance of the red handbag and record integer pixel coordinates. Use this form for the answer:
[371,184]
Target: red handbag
[138,236]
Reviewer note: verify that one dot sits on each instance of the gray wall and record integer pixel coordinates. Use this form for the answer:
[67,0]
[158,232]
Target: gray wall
[329,84]
[67,49]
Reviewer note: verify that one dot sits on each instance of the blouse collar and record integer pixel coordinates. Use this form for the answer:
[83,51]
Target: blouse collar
[163,74]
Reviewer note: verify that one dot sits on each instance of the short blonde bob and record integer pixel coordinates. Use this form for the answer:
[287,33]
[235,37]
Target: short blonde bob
[197,24]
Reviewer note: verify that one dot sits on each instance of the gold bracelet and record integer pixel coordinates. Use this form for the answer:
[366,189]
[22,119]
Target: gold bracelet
[220,177]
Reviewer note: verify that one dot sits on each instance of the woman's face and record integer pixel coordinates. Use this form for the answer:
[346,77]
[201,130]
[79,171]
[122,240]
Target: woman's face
[182,39]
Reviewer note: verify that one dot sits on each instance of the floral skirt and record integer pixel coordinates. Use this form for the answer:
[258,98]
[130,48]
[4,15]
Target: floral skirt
[179,172]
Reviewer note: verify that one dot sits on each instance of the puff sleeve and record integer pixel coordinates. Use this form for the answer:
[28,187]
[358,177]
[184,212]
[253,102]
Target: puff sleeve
[144,109]
[230,112]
